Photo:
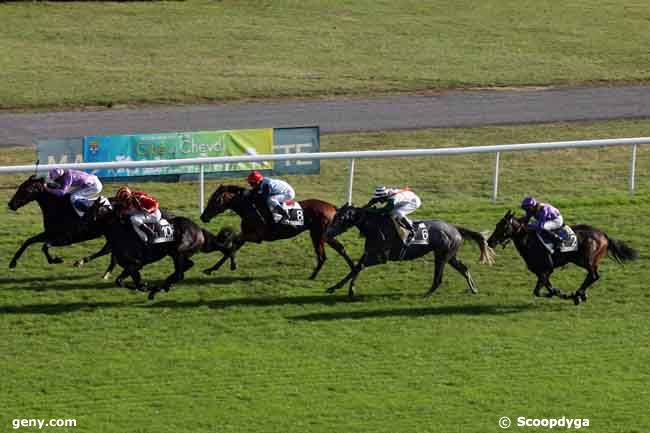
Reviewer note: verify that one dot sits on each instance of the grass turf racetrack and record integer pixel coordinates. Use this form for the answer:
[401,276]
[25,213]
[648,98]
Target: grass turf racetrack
[264,349]
[105,53]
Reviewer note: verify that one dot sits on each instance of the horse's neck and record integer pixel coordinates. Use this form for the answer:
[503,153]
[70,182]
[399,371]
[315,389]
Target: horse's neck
[53,207]
[243,207]
[521,240]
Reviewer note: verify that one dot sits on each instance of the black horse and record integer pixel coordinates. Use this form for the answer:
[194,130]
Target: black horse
[384,244]
[62,225]
[132,254]
[593,245]
[317,216]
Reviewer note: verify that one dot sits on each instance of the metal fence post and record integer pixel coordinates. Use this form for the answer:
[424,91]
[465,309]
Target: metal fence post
[633,169]
[201,188]
[350,181]
[495,179]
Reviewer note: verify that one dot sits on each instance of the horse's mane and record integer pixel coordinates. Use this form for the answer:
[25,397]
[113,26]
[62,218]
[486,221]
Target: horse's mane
[236,189]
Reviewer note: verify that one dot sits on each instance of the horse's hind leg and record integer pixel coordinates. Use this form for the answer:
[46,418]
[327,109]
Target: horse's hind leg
[41,237]
[318,242]
[464,271]
[229,255]
[109,269]
[339,248]
[581,294]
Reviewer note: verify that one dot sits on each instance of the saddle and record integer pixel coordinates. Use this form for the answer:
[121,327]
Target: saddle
[567,242]
[421,234]
[81,209]
[295,212]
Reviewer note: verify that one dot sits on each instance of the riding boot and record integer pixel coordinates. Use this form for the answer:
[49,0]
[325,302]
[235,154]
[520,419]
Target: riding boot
[145,233]
[283,213]
[555,238]
[406,223]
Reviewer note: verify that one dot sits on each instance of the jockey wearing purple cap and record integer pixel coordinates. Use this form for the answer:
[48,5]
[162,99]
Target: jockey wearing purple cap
[83,187]
[547,217]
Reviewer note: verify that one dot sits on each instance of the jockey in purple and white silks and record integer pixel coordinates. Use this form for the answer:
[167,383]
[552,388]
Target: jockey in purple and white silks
[83,187]
[547,217]
[273,191]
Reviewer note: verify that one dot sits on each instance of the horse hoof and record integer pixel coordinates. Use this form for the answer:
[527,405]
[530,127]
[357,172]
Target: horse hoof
[151,296]
[576,299]
[78,263]
[12,265]
[473,290]
[537,293]
[583,297]
[330,290]
[106,276]
[56,261]
[208,271]
[233,267]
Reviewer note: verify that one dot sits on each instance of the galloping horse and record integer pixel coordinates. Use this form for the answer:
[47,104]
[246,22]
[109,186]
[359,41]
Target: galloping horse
[62,225]
[132,254]
[317,217]
[593,245]
[383,244]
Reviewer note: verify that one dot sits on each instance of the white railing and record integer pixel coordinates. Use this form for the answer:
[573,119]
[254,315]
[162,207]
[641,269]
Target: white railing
[351,156]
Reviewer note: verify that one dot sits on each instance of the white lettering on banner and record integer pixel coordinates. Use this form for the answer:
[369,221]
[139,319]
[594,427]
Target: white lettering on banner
[78,159]
[295,148]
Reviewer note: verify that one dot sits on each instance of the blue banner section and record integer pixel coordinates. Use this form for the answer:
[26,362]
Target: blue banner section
[296,140]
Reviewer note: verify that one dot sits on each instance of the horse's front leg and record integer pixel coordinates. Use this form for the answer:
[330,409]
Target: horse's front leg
[227,255]
[105,250]
[352,274]
[41,237]
[51,260]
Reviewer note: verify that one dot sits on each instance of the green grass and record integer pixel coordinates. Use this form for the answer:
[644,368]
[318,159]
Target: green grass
[97,53]
[264,349]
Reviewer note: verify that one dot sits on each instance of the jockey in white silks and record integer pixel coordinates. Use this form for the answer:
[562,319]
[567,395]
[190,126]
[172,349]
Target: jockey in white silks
[399,203]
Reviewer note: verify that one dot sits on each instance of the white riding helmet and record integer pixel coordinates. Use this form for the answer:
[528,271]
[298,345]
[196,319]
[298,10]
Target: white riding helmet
[381,192]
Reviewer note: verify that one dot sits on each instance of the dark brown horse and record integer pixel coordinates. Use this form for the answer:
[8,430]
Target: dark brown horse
[593,245]
[62,225]
[317,217]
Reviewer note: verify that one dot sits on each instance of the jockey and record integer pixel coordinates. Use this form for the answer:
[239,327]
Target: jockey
[399,203]
[273,191]
[547,217]
[141,209]
[83,187]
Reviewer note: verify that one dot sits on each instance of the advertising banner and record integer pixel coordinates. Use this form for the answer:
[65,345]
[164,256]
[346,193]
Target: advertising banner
[178,145]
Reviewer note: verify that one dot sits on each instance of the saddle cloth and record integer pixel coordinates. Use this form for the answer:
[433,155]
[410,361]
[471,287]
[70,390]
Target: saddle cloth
[163,231]
[296,215]
[421,234]
[569,241]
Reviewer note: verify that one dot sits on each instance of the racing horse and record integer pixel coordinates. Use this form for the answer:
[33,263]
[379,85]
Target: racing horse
[317,216]
[132,254]
[384,244]
[62,225]
[593,245]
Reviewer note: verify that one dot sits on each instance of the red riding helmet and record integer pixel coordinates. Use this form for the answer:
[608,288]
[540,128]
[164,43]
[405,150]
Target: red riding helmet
[123,194]
[255,177]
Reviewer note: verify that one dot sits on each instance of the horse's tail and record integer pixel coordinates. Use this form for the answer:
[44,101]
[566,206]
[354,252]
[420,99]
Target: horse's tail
[223,241]
[620,251]
[487,254]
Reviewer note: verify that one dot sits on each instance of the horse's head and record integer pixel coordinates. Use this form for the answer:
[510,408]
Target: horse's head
[346,216]
[508,226]
[28,191]
[220,201]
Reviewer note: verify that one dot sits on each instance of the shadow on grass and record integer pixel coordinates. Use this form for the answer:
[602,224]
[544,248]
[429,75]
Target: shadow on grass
[269,301]
[62,283]
[60,308]
[468,310]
